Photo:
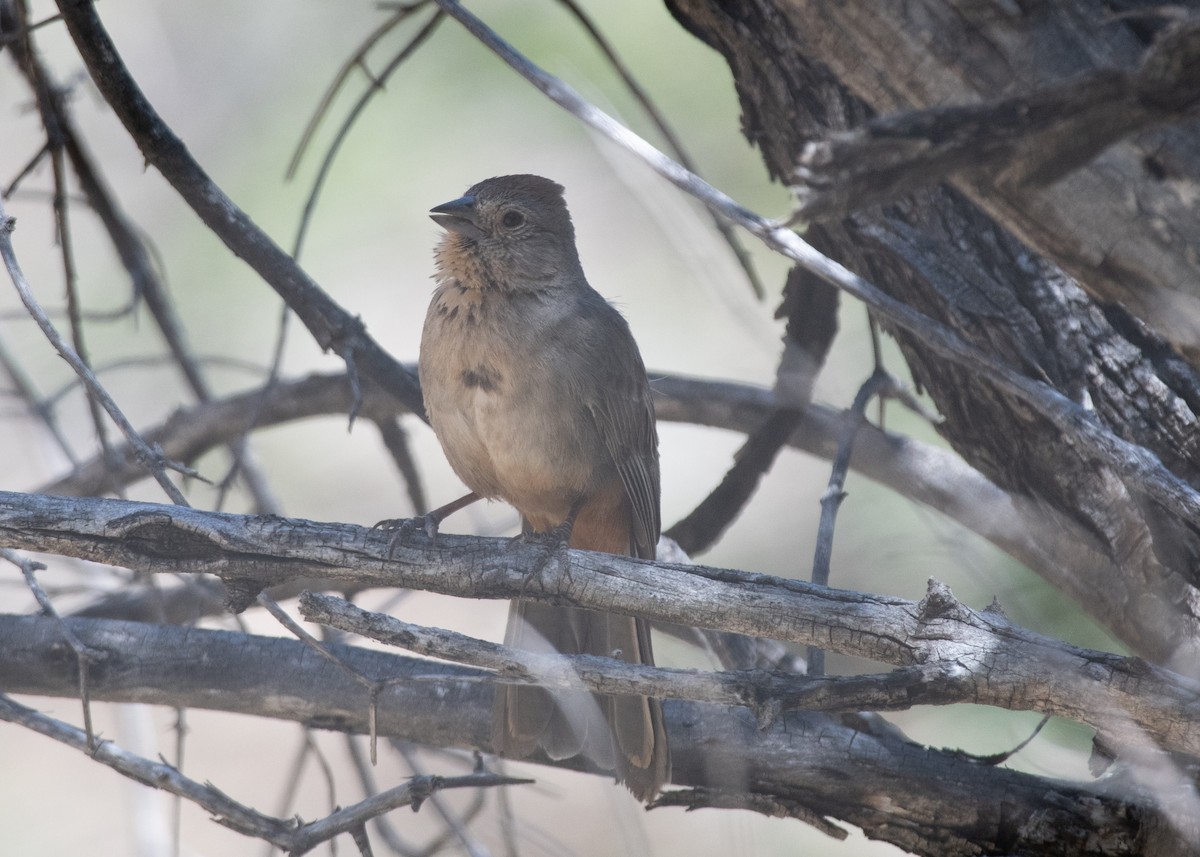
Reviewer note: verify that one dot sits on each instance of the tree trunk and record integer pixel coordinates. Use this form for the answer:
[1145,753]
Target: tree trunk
[1081,279]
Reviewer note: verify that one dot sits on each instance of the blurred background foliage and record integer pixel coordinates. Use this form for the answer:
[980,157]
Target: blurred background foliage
[238,82]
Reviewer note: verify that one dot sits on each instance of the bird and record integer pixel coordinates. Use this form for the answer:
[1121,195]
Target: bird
[536,391]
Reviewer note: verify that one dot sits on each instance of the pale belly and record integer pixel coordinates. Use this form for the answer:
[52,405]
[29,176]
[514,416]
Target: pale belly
[511,431]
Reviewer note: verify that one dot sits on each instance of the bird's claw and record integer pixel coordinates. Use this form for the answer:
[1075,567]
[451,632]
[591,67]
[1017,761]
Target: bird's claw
[553,545]
[402,528]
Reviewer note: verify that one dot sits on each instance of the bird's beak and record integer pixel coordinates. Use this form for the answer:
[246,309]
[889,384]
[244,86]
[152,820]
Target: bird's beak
[457,216]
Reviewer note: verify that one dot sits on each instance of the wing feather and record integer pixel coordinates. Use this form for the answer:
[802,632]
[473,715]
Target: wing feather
[623,412]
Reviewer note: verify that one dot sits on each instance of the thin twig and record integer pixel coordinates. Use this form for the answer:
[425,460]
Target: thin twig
[160,775]
[675,144]
[228,812]
[25,29]
[413,793]
[67,255]
[85,655]
[835,493]
[366,777]
[25,171]
[703,526]
[330,324]
[373,686]
[1001,758]
[292,782]
[344,129]
[357,60]
[326,769]
[240,447]
[153,461]
[181,731]
[456,828]
[42,408]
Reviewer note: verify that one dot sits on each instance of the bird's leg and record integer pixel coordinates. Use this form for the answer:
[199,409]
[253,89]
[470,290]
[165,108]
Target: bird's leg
[554,542]
[429,522]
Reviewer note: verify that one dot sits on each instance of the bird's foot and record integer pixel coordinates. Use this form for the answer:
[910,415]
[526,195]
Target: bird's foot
[402,528]
[553,548]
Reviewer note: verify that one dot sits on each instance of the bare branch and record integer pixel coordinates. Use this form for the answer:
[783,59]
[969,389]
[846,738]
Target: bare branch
[38,406]
[152,460]
[287,835]
[835,493]
[712,747]
[157,775]
[704,525]
[1033,138]
[1048,542]
[343,131]
[766,693]
[85,656]
[189,433]
[413,793]
[331,325]
[1007,666]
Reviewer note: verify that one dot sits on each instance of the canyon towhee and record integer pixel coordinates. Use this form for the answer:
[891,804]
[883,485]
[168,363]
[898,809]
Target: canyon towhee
[535,388]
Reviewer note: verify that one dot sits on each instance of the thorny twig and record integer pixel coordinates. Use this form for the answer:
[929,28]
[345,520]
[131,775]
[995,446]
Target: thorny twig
[290,835]
[152,459]
[373,686]
[85,655]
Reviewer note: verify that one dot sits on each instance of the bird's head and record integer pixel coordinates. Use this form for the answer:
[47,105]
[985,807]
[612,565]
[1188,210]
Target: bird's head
[517,227]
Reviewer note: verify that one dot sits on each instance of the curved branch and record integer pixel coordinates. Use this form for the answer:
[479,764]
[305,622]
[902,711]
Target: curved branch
[1046,541]
[331,325]
[286,834]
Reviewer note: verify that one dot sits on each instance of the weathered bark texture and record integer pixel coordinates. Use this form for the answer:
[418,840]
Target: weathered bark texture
[1121,227]
[931,802]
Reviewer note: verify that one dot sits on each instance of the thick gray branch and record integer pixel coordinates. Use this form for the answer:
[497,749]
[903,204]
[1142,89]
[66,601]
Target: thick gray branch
[1128,699]
[930,796]
[1055,546]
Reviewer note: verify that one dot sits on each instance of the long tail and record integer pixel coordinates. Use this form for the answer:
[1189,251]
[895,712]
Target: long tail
[621,734]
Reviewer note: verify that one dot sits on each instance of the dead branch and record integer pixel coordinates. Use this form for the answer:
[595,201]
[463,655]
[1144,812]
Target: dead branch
[1128,699]
[331,325]
[288,834]
[713,747]
[1032,139]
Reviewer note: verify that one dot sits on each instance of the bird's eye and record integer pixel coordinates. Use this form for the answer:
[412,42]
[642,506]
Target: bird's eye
[512,219]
